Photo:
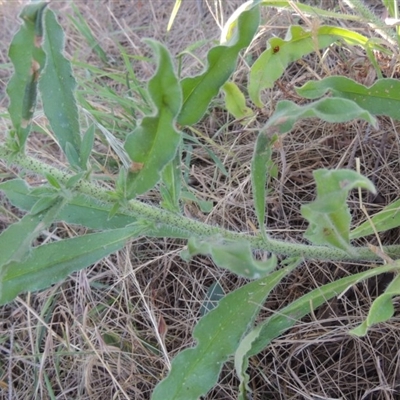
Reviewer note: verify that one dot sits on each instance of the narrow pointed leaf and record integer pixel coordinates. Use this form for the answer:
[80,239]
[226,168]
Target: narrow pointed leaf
[28,59]
[87,146]
[53,262]
[198,91]
[195,371]
[81,210]
[57,86]
[53,182]
[153,144]
[172,180]
[16,240]
[328,109]
[44,204]
[260,168]
[329,215]
[382,98]
[235,101]
[386,219]
[204,205]
[382,308]
[298,42]
[74,180]
[235,256]
[72,155]
[261,336]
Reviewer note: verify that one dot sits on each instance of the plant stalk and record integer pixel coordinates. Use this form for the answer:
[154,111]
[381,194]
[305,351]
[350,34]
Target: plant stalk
[192,227]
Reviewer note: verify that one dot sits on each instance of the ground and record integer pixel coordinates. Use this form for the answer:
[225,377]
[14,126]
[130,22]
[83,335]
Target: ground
[111,330]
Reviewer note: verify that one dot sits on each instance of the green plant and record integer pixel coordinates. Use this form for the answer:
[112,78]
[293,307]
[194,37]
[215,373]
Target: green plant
[150,155]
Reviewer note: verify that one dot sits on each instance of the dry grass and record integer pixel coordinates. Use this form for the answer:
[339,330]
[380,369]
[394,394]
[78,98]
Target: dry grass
[111,330]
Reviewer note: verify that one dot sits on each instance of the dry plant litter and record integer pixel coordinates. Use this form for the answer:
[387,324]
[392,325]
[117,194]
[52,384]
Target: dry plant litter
[111,330]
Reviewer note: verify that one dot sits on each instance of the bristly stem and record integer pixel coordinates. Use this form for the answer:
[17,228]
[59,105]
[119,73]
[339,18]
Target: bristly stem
[192,227]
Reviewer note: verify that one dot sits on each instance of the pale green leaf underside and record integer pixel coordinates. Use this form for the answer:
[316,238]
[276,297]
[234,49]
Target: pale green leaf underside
[329,215]
[235,101]
[382,98]
[235,256]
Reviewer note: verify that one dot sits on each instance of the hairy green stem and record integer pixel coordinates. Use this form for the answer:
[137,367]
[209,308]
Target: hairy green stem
[139,210]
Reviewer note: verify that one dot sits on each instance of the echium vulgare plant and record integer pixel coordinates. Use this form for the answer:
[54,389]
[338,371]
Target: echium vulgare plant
[150,158]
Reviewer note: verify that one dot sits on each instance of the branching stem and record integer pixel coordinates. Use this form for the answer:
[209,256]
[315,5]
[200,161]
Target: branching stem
[145,211]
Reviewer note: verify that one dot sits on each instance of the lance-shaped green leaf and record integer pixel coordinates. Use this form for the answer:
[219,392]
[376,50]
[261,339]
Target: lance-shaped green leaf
[387,218]
[57,86]
[382,98]
[298,42]
[84,211]
[15,241]
[382,308]
[235,101]
[153,144]
[233,255]
[172,180]
[329,215]
[260,337]
[198,91]
[205,206]
[328,109]
[28,59]
[53,262]
[195,371]
[86,147]
[260,168]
